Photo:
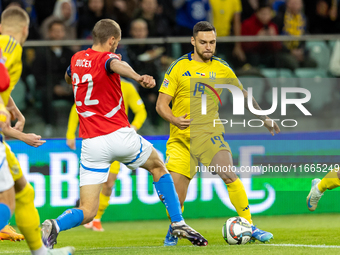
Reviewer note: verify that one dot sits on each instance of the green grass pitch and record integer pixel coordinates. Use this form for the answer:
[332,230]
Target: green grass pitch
[294,234]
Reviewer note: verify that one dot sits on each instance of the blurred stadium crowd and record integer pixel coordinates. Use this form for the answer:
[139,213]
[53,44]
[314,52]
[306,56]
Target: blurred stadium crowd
[44,95]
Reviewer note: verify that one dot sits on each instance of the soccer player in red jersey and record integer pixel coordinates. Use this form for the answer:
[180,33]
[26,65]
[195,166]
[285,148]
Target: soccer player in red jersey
[107,135]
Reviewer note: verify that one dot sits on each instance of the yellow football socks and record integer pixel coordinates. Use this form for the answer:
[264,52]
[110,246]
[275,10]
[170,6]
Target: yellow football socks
[239,199]
[27,217]
[103,204]
[330,181]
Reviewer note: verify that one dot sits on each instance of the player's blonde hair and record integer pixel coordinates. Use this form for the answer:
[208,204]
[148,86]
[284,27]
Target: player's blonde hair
[14,17]
[104,29]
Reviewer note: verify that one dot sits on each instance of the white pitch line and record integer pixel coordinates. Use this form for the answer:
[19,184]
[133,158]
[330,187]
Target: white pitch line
[305,245]
[157,247]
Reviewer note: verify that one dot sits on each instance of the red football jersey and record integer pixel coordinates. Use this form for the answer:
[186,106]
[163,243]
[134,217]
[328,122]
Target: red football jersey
[97,93]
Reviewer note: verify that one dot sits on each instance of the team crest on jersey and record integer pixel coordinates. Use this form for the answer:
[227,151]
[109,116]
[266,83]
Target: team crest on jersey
[165,83]
[212,76]
[113,56]
[15,169]
[201,74]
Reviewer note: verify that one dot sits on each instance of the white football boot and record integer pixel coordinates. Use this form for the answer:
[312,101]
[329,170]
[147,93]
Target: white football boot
[68,250]
[314,195]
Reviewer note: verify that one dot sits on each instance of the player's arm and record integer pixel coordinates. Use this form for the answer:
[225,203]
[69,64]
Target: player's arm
[268,122]
[124,69]
[4,115]
[137,107]
[16,115]
[4,85]
[72,125]
[164,110]
[30,139]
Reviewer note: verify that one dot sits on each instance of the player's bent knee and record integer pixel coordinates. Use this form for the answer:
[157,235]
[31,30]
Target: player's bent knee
[227,177]
[20,184]
[26,195]
[107,190]
[109,184]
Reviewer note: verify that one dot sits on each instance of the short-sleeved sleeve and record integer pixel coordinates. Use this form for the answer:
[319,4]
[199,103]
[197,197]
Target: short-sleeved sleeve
[170,82]
[12,52]
[108,61]
[236,81]
[68,71]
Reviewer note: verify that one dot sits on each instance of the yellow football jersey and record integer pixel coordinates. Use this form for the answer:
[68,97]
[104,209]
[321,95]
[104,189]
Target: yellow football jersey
[12,52]
[132,101]
[186,80]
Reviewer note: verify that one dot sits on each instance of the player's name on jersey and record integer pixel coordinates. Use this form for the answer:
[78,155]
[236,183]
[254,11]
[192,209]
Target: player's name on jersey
[83,63]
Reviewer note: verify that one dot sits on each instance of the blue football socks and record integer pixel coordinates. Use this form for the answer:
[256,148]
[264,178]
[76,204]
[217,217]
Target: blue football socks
[167,193]
[69,219]
[5,215]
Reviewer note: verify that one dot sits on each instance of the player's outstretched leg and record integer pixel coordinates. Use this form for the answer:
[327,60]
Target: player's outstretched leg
[181,183]
[9,233]
[329,182]
[89,200]
[166,191]
[237,194]
[7,203]
[314,195]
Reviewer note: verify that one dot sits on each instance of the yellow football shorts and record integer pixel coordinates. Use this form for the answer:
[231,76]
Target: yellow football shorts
[183,157]
[114,168]
[13,163]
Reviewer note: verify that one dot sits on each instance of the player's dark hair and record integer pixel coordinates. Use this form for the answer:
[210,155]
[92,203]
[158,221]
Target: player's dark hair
[14,12]
[104,29]
[203,26]
[55,22]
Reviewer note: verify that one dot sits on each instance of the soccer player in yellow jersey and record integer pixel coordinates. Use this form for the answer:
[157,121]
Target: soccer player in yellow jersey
[14,32]
[133,101]
[330,181]
[187,146]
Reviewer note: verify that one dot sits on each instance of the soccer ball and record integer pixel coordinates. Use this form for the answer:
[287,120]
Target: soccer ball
[236,230]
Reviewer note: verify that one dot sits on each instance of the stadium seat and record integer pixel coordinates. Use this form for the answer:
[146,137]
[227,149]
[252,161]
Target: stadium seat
[176,50]
[320,87]
[275,73]
[257,83]
[278,78]
[320,52]
[18,95]
[331,45]
[310,73]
